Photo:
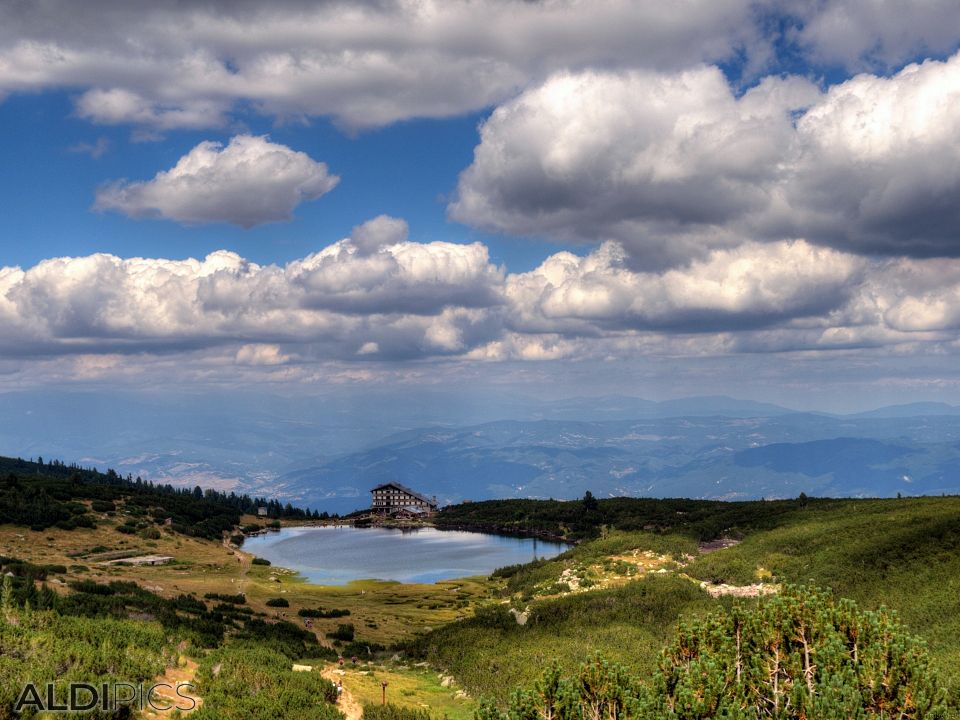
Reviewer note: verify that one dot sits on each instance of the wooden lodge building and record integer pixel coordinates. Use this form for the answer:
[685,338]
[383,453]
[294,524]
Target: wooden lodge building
[392,498]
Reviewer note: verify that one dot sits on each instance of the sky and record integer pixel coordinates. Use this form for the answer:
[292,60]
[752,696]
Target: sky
[563,198]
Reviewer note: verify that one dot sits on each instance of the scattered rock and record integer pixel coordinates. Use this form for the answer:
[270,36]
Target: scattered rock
[718,544]
[520,617]
[742,591]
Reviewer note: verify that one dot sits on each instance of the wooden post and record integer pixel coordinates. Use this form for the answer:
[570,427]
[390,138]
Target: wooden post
[383,686]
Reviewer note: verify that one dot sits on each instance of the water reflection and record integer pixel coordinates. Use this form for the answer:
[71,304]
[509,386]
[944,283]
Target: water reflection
[335,555]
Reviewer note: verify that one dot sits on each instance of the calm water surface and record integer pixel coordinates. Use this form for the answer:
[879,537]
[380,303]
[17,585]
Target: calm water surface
[337,555]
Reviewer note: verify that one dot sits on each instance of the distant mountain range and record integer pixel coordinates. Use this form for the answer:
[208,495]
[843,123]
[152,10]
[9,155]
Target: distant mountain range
[327,452]
[701,457]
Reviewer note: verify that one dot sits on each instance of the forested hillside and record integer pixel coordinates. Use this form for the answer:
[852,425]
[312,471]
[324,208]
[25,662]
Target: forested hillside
[586,518]
[47,494]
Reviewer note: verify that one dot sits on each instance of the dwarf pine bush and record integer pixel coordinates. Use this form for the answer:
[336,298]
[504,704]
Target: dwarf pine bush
[801,654]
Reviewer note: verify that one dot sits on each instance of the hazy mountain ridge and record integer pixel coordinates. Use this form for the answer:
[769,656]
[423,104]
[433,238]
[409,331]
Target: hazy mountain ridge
[327,452]
[719,458]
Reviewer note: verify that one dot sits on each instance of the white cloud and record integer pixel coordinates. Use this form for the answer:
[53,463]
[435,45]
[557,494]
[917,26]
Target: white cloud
[261,354]
[753,285]
[864,33]
[368,64]
[378,270]
[661,162]
[404,299]
[249,182]
[400,300]
[674,165]
[119,106]
[365,64]
[877,168]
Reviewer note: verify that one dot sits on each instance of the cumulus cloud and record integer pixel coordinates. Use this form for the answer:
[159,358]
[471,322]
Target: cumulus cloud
[674,165]
[117,106]
[365,64]
[753,285]
[377,269]
[261,354]
[866,33]
[658,161]
[403,299]
[782,297]
[368,64]
[877,168]
[249,182]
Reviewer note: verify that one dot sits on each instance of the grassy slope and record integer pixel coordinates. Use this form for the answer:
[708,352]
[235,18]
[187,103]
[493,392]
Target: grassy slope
[382,612]
[408,687]
[32,648]
[901,553]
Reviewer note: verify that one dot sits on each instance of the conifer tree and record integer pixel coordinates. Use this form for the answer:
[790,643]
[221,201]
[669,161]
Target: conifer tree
[798,655]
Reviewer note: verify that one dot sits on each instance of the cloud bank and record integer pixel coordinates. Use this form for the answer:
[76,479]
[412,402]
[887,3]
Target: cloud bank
[408,299]
[377,295]
[369,64]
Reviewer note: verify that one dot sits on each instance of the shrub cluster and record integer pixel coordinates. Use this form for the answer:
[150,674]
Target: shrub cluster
[321,613]
[797,655]
[344,633]
[238,599]
[393,712]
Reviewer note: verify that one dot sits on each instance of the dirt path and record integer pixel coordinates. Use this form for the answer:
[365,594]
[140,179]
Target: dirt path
[347,704]
[244,561]
[167,694]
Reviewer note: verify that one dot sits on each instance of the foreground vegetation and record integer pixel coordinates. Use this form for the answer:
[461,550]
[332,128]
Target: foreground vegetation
[792,656]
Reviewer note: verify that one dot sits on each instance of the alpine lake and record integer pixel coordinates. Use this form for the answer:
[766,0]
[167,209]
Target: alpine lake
[337,555]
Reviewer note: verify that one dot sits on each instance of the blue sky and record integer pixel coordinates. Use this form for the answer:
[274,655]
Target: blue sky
[407,170]
[569,197]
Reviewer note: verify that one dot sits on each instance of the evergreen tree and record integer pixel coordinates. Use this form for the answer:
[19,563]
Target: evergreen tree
[795,656]
[589,501]
[800,654]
